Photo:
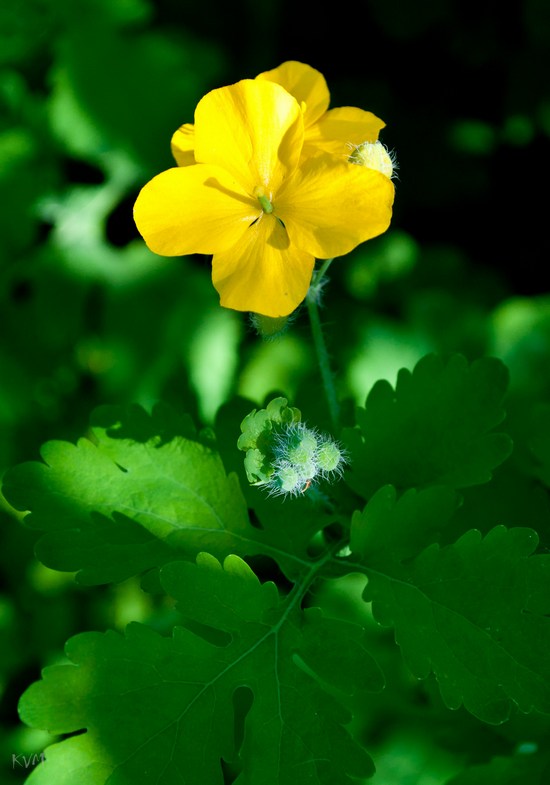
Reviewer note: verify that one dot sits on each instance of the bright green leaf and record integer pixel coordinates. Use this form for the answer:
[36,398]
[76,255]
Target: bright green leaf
[124,500]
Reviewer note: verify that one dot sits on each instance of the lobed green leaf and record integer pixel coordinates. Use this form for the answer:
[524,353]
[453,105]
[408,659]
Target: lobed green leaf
[474,613]
[139,490]
[433,429]
[164,710]
[390,531]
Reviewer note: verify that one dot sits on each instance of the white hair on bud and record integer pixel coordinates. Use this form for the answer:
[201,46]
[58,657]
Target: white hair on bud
[374,155]
[303,456]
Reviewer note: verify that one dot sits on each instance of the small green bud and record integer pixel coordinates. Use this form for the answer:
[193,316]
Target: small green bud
[308,442]
[329,456]
[283,454]
[288,480]
[308,470]
[269,327]
[303,450]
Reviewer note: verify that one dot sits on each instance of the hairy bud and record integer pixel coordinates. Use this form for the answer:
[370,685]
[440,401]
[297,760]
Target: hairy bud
[374,155]
[284,455]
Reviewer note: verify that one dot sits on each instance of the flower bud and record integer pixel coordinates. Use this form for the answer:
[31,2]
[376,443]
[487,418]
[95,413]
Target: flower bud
[284,455]
[374,155]
[286,481]
[330,457]
[300,448]
[269,327]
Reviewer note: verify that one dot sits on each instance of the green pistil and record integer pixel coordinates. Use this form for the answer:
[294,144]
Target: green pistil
[259,193]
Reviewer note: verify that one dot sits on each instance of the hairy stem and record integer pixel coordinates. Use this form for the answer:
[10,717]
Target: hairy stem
[312,302]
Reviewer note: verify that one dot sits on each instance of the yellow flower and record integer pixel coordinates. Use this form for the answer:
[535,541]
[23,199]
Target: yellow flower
[327,130]
[252,200]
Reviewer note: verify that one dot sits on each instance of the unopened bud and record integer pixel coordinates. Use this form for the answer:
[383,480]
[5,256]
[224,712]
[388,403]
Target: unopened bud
[328,457]
[286,456]
[374,155]
[286,481]
[269,327]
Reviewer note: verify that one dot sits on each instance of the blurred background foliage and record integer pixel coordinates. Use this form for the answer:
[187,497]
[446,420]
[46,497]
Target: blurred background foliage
[90,94]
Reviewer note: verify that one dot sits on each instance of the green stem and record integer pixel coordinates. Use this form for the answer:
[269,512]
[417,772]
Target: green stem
[319,274]
[312,298]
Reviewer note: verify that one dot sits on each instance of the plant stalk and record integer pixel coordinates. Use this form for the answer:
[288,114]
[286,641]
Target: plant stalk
[312,302]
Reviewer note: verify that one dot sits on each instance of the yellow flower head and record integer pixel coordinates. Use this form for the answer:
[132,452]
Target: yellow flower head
[253,200]
[327,130]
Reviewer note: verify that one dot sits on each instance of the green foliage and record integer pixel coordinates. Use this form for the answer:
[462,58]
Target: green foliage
[540,443]
[433,429]
[253,677]
[119,501]
[521,769]
[288,609]
[163,709]
[475,613]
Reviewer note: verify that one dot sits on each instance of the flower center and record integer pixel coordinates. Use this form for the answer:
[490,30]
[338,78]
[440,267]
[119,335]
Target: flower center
[259,193]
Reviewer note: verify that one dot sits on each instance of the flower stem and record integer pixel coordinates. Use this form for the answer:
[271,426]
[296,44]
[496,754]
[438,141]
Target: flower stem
[312,302]
[319,274]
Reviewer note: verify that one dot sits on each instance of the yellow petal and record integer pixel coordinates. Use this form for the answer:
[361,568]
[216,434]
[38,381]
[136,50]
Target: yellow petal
[305,83]
[193,209]
[329,206]
[253,129]
[263,273]
[183,145]
[340,128]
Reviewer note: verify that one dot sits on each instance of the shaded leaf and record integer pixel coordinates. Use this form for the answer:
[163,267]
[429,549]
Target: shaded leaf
[161,710]
[518,770]
[161,78]
[434,428]
[473,613]
[389,531]
[540,442]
